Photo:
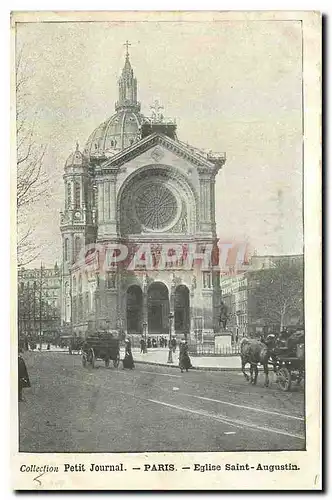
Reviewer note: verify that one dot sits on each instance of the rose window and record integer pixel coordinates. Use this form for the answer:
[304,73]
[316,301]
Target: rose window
[155,206]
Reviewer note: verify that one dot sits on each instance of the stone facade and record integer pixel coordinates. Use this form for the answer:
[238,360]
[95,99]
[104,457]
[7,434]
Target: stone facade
[137,189]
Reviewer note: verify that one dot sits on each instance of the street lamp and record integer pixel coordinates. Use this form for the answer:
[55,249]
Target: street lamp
[170,357]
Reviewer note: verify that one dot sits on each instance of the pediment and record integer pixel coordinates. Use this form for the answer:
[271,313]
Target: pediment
[159,144]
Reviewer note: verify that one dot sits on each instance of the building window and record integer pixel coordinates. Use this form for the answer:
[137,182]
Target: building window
[74,285]
[77,195]
[206,280]
[69,196]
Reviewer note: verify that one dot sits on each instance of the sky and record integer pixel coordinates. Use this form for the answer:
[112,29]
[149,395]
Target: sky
[233,87]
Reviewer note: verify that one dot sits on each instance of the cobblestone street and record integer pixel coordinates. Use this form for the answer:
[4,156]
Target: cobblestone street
[152,408]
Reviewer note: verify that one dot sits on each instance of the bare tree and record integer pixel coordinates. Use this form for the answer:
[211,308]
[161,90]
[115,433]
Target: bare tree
[31,178]
[279,292]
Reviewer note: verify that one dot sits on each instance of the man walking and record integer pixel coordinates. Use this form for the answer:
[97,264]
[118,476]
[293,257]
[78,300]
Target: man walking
[142,342]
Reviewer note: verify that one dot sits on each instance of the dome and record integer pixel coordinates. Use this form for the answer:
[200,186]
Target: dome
[76,159]
[118,132]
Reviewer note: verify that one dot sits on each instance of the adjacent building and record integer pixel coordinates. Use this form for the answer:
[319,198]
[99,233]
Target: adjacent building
[238,292]
[39,302]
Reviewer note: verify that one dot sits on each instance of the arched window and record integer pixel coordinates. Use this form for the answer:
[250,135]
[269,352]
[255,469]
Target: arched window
[69,195]
[66,249]
[77,195]
[74,285]
[77,246]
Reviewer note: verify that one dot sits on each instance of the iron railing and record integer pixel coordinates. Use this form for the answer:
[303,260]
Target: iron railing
[211,350]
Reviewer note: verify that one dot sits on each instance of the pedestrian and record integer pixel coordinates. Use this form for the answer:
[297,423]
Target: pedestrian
[184,359]
[142,342]
[128,361]
[149,342]
[23,377]
[173,344]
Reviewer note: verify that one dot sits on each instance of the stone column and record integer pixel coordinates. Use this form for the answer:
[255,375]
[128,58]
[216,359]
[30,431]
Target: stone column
[107,201]
[205,202]
[192,315]
[112,184]
[145,304]
[100,202]
[213,205]
[192,307]
[172,306]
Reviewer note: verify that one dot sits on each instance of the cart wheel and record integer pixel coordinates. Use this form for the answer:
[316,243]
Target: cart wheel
[284,380]
[84,360]
[107,363]
[116,362]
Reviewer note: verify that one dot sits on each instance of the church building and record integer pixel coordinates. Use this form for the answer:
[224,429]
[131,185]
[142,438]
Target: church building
[138,218]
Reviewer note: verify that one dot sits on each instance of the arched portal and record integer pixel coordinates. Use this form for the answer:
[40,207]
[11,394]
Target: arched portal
[181,310]
[134,309]
[158,308]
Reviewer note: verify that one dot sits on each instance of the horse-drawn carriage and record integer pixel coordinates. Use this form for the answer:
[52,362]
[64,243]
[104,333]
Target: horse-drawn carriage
[288,361]
[284,352]
[102,345]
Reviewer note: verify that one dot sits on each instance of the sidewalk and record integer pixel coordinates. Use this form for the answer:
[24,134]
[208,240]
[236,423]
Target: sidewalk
[159,357]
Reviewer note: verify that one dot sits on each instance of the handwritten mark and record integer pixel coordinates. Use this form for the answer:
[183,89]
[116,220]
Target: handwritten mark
[37,478]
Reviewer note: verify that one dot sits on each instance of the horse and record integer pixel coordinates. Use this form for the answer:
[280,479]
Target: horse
[254,352]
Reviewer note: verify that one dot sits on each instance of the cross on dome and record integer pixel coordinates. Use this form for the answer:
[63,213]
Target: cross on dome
[127,45]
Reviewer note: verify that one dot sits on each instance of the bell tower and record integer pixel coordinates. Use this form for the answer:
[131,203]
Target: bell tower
[78,220]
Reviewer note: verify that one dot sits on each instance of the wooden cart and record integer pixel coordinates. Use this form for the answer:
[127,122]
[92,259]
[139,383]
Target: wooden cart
[101,346]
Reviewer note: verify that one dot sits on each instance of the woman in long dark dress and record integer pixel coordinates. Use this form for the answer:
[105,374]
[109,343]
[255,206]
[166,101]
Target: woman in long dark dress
[184,359]
[128,361]
[23,377]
